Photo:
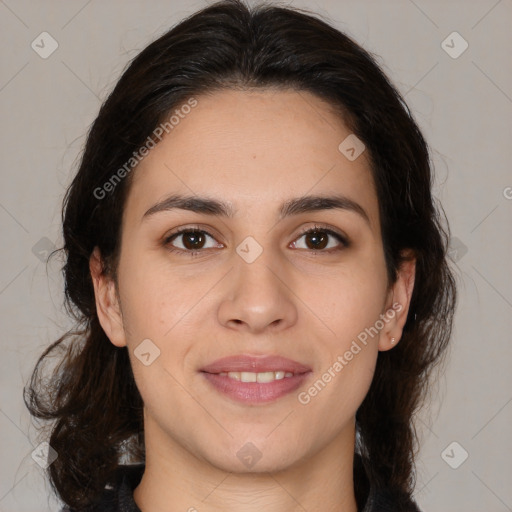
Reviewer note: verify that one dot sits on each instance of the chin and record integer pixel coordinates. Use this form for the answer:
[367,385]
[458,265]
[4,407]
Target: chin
[260,463]
[255,454]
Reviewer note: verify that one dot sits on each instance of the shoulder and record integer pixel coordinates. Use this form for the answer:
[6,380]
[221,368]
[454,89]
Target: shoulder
[118,495]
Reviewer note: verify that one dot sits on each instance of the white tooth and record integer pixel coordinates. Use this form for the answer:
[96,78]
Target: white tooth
[265,377]
[262,377]
[247,377]
[222,374]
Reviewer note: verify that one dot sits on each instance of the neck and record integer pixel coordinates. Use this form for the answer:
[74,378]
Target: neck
[176,480]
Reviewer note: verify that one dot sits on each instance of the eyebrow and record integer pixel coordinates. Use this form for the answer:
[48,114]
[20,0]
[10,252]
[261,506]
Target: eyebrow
[295,206]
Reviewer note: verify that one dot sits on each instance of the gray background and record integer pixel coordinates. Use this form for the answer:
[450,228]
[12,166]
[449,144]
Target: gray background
[463,105]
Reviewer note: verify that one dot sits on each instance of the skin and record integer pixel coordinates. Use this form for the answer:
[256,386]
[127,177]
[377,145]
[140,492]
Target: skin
[255,150]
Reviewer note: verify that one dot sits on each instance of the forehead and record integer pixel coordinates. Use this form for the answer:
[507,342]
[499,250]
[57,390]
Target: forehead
[253,147]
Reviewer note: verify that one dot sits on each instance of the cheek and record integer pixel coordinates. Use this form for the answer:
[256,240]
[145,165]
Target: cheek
[156,301]
[347,356]
[349,305]
[156,307]
[331,401]
[346,302]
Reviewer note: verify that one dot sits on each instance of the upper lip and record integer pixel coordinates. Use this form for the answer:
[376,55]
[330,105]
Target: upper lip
[246,363]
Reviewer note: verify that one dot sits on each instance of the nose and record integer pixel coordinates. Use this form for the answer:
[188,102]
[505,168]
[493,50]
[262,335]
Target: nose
[258,296]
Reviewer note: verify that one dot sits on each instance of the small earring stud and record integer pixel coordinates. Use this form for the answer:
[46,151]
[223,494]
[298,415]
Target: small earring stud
[393,341]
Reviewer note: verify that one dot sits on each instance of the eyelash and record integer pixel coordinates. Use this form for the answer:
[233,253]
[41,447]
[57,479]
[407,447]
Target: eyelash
[316,229]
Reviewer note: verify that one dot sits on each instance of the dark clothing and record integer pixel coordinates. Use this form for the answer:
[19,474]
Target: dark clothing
[120,497]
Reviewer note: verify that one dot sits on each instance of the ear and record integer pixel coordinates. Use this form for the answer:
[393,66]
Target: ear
[398,302]
[107,304]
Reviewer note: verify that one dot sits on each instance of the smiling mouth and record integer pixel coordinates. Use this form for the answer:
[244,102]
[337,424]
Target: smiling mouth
[261,377]
[251,379]
[255,388]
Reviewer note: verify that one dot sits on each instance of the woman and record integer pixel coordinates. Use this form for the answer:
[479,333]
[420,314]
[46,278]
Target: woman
[258,272]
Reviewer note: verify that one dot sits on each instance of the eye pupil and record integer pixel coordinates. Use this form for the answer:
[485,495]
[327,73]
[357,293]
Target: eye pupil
[318,238]
[195,237]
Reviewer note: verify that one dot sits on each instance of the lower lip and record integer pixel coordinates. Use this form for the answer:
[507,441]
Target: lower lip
[255,392]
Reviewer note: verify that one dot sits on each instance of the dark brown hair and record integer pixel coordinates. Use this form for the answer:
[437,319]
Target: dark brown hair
[91,393]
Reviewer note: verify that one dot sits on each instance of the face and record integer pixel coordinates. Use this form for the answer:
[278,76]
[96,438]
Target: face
[288,309]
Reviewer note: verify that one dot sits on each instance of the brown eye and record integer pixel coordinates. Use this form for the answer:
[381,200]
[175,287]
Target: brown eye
[193,240]
[320,239]
[188,240]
